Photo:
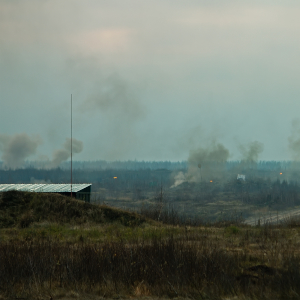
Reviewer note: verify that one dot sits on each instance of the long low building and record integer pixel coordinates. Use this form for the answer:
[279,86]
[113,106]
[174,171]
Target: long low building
[80,191]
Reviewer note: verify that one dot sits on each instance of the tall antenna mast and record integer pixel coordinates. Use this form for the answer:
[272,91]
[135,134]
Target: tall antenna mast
[71,146]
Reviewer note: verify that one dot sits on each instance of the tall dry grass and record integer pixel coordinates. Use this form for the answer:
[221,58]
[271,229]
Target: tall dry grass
[189,265]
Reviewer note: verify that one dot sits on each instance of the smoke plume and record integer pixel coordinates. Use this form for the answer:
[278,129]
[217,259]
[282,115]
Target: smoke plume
[204,163]
[294,140]
[17,148]
[215,153]
[250,152]
[38,181]
[113,96]
[63,154]
[179,179]
[120,110]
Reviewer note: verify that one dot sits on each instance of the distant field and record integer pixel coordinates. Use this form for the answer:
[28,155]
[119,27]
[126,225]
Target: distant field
[214,193]
[256,199]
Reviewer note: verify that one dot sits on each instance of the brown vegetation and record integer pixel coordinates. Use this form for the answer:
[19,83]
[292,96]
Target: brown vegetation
[198,262]
[23,208]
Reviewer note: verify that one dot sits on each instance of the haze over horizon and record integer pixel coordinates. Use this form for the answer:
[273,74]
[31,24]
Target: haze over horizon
[150,80]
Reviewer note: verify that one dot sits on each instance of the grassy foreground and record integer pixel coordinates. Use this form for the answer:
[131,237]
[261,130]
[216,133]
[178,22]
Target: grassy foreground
[53,247]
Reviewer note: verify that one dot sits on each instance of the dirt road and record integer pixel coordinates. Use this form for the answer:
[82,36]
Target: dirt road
[272,217]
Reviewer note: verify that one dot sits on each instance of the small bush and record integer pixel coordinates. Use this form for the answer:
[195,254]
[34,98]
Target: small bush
[26,219]
[232,230]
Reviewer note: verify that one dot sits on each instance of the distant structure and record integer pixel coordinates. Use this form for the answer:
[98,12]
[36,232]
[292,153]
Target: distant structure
[241,177]
[80,191]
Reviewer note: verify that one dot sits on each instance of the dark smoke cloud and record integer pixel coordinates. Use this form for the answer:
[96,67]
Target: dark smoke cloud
[250,152]
[17,148]
[294,140]
[215,153]
[112,102]
[204,163]
[63,154]
[113,96]
[120,111]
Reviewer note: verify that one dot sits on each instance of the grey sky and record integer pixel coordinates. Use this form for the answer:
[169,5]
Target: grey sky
[153,79]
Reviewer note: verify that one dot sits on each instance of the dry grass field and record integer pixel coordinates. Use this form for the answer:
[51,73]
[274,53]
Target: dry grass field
[53,247]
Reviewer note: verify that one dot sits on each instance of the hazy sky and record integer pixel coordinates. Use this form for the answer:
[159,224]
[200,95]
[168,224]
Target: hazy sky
[151,80]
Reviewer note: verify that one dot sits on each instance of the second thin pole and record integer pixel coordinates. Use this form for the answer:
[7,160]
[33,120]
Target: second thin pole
[71,148]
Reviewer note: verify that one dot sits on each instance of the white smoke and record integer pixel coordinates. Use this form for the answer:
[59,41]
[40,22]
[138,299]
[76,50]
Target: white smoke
[179,179]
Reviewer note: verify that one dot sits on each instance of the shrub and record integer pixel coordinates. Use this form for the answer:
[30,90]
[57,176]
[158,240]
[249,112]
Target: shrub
[232,230]
[26,219]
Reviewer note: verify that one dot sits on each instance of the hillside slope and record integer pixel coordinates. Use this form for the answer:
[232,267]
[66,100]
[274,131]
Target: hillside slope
[23,208]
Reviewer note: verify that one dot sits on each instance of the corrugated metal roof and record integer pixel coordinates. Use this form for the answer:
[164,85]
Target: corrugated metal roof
[44,188]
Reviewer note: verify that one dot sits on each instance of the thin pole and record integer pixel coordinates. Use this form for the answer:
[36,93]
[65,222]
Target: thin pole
[71,147]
